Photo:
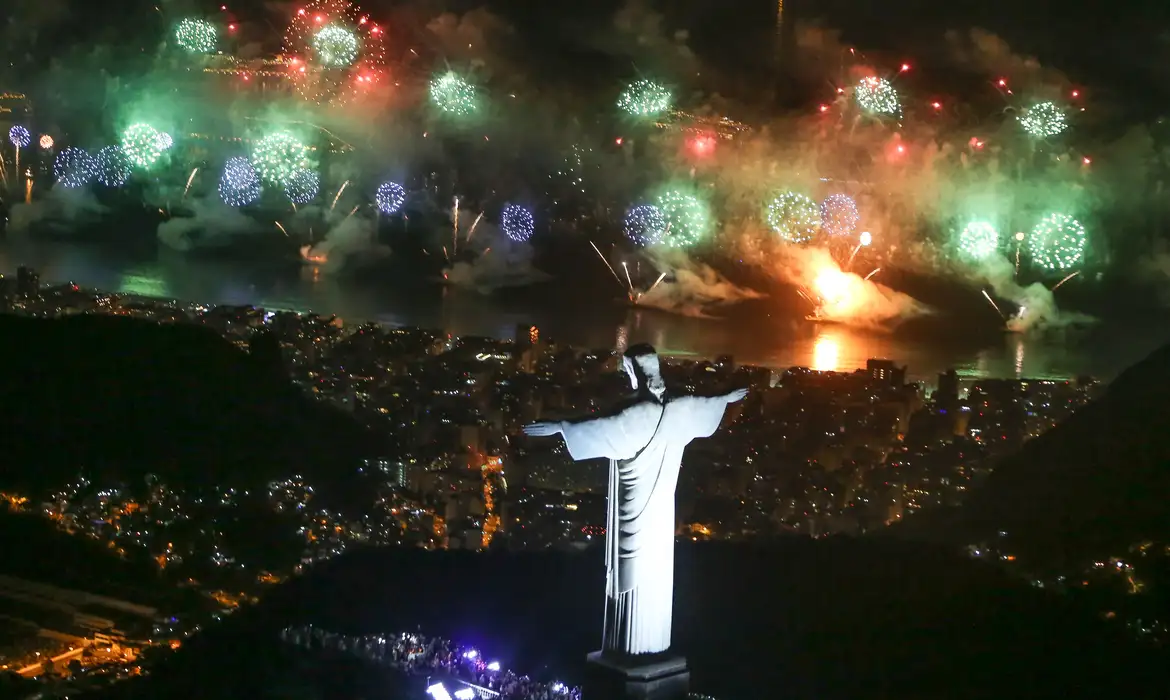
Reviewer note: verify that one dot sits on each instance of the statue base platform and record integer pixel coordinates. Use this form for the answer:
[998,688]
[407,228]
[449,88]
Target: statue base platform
[654,677]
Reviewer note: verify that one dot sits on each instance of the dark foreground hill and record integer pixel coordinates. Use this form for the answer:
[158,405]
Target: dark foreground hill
[35,550]
[122,398]
[1093,485]
[803,619]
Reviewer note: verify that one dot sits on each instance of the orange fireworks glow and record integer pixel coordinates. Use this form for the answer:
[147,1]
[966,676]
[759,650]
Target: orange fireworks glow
[831,285]
[838,295]
[310,257]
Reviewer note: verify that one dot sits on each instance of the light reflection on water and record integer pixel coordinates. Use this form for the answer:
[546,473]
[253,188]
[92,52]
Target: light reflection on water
[762,339]
[1019,356]
[827,353]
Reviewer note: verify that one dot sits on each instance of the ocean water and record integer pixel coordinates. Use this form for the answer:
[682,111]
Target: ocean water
[759,332]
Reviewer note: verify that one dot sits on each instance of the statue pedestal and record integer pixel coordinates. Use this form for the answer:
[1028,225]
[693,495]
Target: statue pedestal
[658,677]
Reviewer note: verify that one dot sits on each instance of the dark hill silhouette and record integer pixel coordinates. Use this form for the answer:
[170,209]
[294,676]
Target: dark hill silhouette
[834,618]
[36,550]
[123,398]
[1091,486]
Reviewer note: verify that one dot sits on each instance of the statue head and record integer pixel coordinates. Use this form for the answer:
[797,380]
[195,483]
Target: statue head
[640,362]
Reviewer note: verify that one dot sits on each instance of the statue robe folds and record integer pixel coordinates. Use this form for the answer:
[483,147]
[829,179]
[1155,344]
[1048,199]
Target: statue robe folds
[644,444]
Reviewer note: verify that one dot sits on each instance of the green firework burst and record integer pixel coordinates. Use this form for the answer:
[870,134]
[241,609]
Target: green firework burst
[877,96]
[687,218]
[196,35]
[644,98]
[1057,242]
[335,46]
[1043,120]
[978,240]
[142,144]
[453,95]
[794,216]
[278,157]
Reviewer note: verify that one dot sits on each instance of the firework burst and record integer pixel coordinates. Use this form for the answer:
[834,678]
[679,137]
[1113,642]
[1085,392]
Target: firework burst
[686,216]
[338,51]
[877,96]
[1057,242]
[143,144]
[978,240]
[645,224]
[453,95]
[74,167]
[794,217]
[19,136]
[239,185]
[113,166]
[335,46]
[839,215]
[389,197]
[516,222]
[279,156]
[1043,120]
[196,35]
[302,187]
[644,98]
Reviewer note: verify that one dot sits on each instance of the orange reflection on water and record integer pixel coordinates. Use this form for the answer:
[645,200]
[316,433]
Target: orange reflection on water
[826,352]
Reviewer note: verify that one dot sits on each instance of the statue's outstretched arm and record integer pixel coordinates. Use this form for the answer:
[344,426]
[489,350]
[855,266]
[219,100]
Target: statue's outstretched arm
[544,428]
[703,413]
[735,396]
[615,437]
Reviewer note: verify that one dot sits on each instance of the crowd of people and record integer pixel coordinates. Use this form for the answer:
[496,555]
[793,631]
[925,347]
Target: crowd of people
[417,655]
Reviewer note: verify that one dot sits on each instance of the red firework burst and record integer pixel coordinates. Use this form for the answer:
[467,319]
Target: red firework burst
[320,80]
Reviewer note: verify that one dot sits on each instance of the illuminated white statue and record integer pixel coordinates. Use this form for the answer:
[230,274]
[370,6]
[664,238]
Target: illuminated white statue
[644,443]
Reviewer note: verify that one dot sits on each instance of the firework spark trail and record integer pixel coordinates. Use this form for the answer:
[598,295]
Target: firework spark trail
[989,301]
[486,251]
[630,281]
[660,278]
[445,255]
[455,226]
[338,195]
[352,211]
[190,179]
[875,271]
[849,262]
[471,231]
[1057,285]
[281,228]
[28,190]
[607,265]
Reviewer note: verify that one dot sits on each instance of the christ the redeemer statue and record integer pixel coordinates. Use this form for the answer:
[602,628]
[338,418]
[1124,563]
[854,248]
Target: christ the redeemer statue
[644,443]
